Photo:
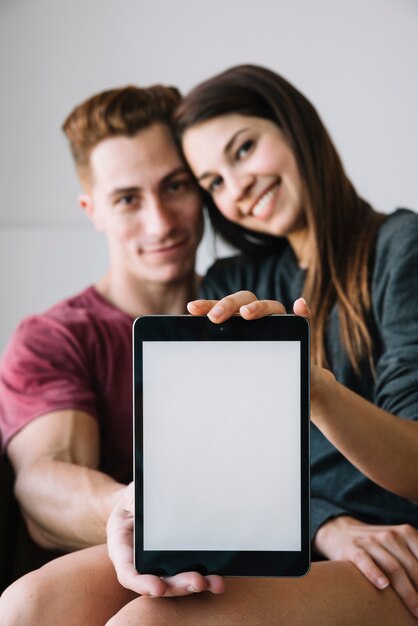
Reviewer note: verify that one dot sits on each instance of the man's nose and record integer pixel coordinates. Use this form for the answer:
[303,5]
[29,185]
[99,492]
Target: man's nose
[159,219]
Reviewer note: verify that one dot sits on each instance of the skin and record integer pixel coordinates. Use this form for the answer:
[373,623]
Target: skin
[143,200]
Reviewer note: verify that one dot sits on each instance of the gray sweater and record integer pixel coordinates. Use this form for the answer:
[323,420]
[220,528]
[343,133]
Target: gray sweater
[337,487]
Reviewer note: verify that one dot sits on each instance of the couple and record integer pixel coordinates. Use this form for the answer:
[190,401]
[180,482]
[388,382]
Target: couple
[275,188]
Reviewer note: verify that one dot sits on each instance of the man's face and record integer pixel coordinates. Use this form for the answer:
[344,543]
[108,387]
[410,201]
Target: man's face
[147,204]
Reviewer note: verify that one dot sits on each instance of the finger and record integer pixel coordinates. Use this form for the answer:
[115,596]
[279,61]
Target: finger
[215,584]
[230,305]
[410,536]
[396,572]
[185,584]
[261,308]
[120,549]
[301,308]
[367,566]
[401,543]
[201,307]
[143,584]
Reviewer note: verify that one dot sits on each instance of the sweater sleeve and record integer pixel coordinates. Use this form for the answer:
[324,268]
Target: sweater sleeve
[322,511]
[395,301]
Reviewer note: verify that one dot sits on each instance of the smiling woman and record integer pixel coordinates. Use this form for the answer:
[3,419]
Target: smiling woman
[253,178]
[248,131]
[277,190]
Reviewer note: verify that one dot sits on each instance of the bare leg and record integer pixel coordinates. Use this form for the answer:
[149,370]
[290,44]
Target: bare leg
[77,589]
[332,593]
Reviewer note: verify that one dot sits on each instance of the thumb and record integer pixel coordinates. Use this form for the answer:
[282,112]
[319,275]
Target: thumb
[301,308]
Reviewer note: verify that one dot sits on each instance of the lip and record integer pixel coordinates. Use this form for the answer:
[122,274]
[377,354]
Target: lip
[164,250]
[265,210]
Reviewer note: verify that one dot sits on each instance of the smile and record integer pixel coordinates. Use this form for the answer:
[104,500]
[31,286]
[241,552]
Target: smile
[163,250]
[263,206]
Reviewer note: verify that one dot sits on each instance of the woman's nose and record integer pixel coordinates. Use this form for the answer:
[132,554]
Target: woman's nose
[240,186]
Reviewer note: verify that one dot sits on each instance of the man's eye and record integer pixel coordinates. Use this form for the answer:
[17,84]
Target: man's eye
[177,185]
[126,201]
[215,184]
[244,148]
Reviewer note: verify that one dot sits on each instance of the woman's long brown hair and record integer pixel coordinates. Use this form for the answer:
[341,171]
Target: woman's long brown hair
[343,227]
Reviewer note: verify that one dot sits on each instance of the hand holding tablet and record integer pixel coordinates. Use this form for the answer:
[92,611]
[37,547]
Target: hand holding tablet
[221,444]
[120,547]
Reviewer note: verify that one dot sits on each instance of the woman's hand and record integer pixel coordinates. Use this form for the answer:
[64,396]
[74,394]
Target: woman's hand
[120,547]
[386,555]
[244,303]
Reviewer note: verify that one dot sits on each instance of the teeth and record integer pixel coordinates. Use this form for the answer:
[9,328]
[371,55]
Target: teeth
[264,200]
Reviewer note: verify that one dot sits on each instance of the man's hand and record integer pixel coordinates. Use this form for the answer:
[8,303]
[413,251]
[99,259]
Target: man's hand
[386,555]
[120,546]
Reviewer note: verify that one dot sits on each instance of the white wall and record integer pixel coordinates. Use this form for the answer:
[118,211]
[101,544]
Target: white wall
[355,59]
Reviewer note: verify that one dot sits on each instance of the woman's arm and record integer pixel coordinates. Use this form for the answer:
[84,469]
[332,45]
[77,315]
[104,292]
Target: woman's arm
[382,446]
[351,423]
[384,554]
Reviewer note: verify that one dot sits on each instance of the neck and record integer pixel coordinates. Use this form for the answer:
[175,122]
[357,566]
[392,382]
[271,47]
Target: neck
[137,297]
[301,245]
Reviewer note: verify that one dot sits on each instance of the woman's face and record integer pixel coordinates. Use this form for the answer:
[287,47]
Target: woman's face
[249,169]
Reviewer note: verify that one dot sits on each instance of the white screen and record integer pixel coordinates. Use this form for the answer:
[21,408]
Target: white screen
[222,445]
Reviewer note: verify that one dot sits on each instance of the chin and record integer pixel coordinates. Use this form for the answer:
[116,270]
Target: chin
[171,275]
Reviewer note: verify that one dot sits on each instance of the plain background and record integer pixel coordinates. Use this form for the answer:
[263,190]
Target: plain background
[357,60]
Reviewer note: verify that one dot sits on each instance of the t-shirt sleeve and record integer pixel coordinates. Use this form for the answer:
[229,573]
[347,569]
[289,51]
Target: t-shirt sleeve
[395,299]
[45,368]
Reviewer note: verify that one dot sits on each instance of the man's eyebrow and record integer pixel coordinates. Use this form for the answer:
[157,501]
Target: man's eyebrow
[226,149]
[124,191]
[182,169]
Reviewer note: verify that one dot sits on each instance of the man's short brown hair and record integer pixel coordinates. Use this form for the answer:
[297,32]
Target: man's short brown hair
[116,112]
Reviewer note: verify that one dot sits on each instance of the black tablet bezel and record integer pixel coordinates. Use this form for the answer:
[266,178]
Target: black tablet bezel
[245,563]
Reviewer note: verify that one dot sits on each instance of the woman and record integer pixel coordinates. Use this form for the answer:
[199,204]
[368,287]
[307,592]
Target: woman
[276,189]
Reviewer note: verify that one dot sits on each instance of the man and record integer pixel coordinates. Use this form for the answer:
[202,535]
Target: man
[65,378]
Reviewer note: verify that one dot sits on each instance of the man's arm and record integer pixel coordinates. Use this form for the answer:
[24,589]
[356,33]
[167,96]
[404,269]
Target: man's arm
[65,500]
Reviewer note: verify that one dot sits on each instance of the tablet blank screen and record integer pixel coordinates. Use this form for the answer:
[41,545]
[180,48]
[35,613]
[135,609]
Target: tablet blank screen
[221,428]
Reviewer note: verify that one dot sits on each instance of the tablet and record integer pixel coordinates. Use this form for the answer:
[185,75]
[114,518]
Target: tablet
[221,446]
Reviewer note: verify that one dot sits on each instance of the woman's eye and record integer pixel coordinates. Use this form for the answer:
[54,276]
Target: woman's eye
[215,184]
[244,148]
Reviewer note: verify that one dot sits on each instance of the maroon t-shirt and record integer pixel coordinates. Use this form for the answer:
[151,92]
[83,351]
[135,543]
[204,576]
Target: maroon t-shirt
[77,355]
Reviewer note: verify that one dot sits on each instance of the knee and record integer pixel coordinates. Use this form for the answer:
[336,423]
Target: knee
[21,603]
[149,611]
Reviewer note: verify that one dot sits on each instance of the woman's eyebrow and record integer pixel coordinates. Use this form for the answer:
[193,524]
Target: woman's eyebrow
[226,149]
[233,138]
